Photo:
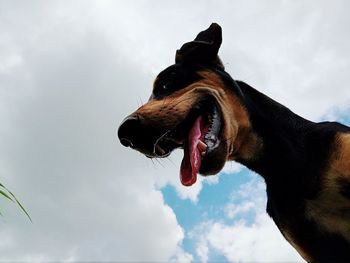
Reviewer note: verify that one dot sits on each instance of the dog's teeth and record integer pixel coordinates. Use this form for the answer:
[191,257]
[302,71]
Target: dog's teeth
[160,150]
[202,153]
[202,146]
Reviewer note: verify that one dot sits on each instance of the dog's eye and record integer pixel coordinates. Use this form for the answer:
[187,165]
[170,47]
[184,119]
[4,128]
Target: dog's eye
[169,82]
[166,86]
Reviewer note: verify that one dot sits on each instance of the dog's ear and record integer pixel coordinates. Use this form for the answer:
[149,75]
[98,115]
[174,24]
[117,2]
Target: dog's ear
[204,48]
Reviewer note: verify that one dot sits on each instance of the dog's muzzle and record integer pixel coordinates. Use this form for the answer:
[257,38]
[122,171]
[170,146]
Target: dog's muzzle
[127,132]
[135,132]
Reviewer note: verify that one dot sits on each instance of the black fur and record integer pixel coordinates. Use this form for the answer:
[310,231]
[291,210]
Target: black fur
[172,79]
[345,188]
[292,163]
[295,151]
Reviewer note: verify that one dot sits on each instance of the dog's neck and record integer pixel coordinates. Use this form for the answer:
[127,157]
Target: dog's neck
[287,140]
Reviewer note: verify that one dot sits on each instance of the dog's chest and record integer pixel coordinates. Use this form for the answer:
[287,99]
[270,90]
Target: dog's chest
[322,224]
[331,209]
[331,212]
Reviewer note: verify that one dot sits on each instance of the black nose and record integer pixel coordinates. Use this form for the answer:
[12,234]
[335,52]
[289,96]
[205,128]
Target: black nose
[128,131]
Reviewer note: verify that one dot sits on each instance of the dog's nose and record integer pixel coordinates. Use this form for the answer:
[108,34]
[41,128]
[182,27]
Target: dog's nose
[128,131]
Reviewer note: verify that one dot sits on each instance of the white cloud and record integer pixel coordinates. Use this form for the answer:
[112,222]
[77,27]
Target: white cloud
[90,198]
[172,177]
[299,54]
[191,193]
[71,71]
[259,242]
[202,250]
[232,210]
[243,241]
[181,256]
[232,167]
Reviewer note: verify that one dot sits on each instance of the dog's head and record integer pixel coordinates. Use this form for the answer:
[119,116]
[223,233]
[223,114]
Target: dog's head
[195,105]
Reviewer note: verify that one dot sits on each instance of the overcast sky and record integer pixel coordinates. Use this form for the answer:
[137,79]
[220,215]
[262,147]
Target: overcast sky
[70,71]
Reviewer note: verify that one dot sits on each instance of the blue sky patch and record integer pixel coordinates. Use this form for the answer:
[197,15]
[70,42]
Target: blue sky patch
[213,199]
[210,207]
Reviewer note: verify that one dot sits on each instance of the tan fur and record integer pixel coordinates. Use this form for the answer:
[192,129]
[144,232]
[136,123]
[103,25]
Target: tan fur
[237,133]
[340,160]
[331,209]
[242,142]
[290,239]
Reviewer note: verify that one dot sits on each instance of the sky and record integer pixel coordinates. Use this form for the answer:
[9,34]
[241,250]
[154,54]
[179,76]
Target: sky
[70,71]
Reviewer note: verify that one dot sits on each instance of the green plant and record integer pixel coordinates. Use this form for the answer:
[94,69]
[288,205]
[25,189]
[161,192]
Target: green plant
[10,196]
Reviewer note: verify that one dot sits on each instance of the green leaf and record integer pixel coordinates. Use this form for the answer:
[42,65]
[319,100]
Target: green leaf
[6,195]
[20,205]
[14,199]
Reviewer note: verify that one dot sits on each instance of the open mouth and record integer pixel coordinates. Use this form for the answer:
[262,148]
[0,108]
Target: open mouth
[198,135]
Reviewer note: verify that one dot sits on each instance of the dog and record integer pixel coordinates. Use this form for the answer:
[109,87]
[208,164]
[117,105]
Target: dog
[197,106]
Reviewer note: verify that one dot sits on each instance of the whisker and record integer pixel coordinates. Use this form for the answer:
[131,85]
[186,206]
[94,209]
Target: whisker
[161,137]
[140,102]
[167,102]
[171,100]
[171,161]
[159,162]
[173,106]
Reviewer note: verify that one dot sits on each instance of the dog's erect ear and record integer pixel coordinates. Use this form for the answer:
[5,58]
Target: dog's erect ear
[204,48]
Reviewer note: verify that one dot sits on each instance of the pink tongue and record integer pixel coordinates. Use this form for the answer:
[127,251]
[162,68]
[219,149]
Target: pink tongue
[191,161]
